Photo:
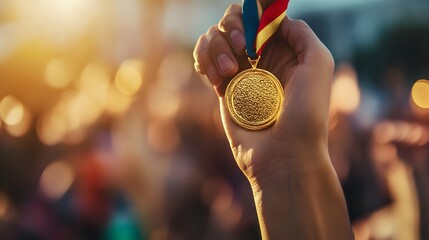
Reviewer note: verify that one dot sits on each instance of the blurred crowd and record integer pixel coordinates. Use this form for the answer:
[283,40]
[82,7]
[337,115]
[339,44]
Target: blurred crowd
[106,131]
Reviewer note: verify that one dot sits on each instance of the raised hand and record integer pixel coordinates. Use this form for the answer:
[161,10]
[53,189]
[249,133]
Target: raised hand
[305,68]
[296,191]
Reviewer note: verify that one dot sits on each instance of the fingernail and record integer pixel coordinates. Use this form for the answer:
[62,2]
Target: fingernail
[226,65]
[238,40]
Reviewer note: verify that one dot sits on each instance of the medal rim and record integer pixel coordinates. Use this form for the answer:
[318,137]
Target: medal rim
[230,106]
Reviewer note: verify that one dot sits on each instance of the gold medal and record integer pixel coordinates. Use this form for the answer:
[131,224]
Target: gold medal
[254,98]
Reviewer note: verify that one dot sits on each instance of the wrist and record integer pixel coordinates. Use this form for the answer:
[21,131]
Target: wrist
[291,171]
[302,203]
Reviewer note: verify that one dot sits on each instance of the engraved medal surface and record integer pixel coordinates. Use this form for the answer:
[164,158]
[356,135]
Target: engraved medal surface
[254,98]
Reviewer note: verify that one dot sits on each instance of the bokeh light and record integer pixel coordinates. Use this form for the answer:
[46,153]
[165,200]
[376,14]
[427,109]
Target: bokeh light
[59,73]
[84,107]
[345,96]
[420,93]
[95,82]
[56,179]
[129,77]
[23,126]
[11,110]
[51,128]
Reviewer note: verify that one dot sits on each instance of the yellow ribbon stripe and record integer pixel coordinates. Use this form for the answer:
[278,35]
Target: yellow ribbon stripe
[265,34]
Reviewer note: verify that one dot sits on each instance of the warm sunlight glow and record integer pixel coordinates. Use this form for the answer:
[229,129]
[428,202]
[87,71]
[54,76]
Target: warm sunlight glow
[58,22]
[56,179]
[420,93]
[129,77]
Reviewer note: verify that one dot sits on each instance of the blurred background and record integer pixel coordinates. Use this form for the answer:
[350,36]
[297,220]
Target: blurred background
[106,131]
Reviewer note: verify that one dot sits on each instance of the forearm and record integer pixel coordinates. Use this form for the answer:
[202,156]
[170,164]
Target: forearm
[305,204]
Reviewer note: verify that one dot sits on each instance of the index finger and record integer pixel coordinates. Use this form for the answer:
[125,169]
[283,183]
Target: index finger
[231,24]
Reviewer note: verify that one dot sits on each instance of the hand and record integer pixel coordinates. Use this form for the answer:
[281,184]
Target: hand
[296,191]
[305,68]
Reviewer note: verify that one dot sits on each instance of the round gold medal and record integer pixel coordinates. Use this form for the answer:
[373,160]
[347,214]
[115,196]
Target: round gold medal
[254,98]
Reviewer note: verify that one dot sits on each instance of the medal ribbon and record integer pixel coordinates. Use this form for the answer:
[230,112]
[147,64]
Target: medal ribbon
[258,33]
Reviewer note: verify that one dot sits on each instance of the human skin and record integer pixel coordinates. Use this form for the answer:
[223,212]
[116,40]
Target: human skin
[296,190]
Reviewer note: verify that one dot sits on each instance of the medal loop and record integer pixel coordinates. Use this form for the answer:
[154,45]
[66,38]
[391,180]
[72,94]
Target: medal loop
[254,62]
